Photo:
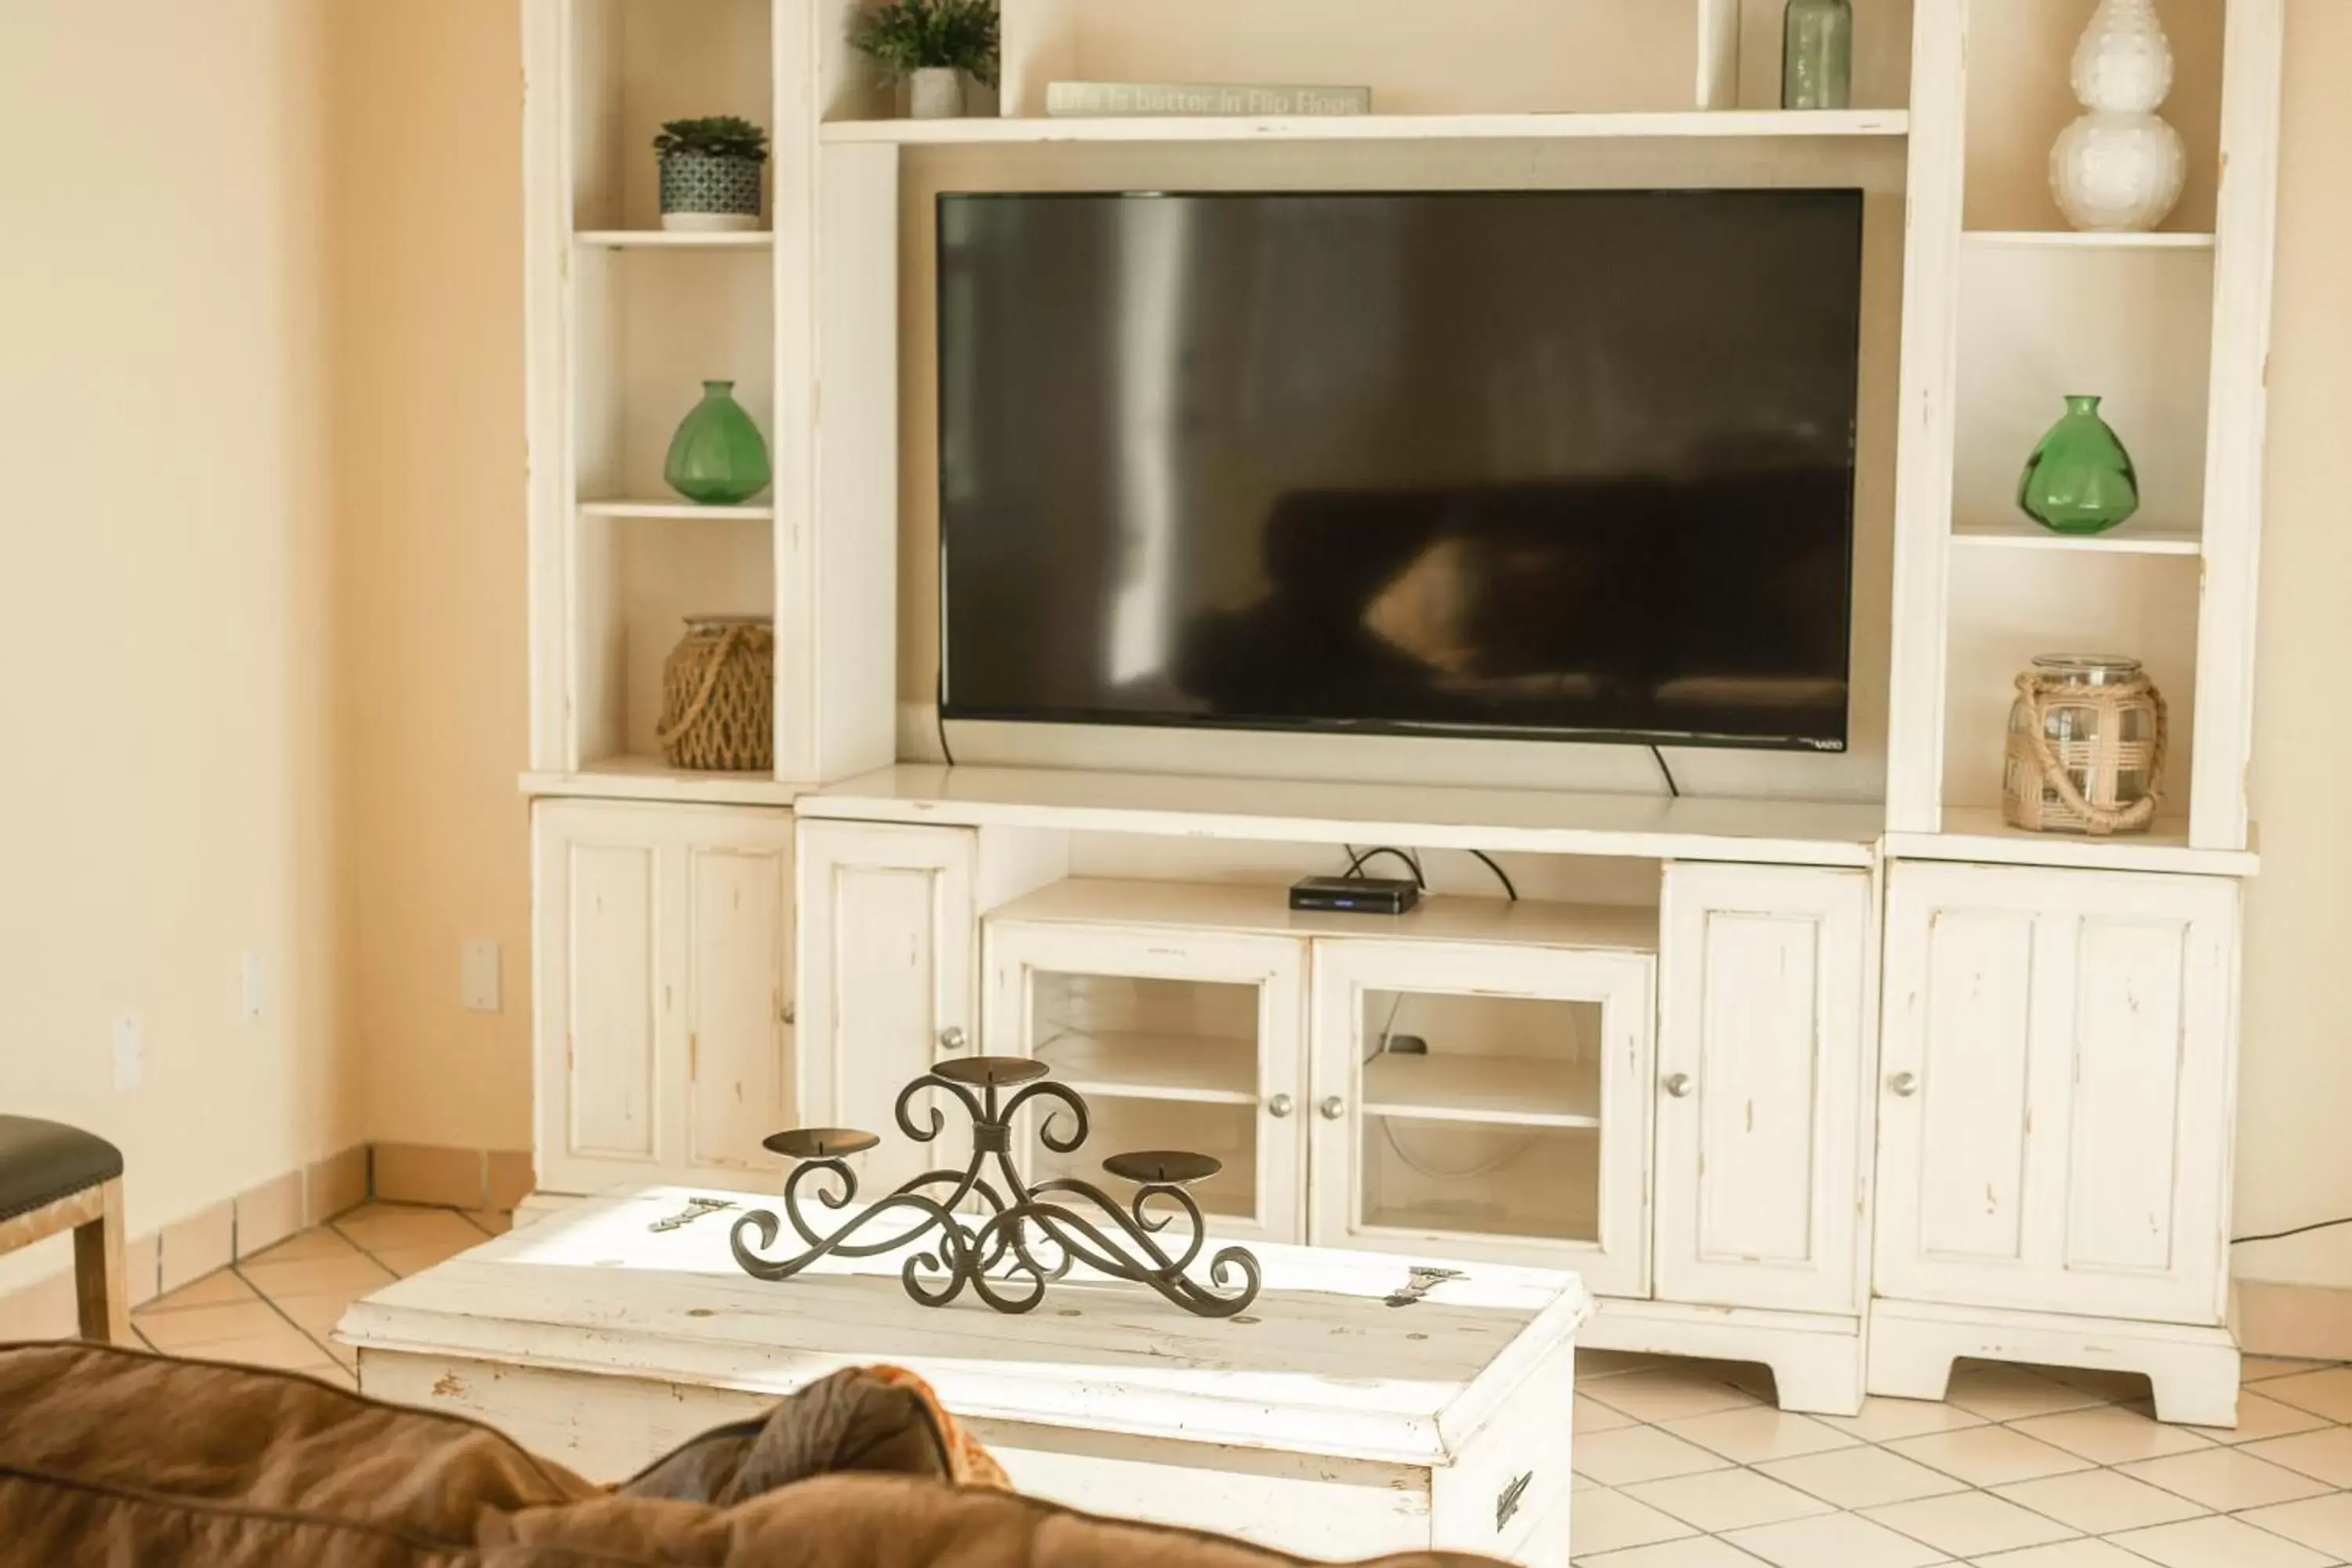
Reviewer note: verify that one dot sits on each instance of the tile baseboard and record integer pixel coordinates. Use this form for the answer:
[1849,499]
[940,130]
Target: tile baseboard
[267,1213]
[458,1178]
[2294,1323]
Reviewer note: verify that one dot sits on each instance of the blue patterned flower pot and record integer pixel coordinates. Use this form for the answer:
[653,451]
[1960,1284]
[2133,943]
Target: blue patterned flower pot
[699,191]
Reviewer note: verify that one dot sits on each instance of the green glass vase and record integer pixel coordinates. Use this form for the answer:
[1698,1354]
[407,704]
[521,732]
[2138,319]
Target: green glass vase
[2080,480]
[717,457]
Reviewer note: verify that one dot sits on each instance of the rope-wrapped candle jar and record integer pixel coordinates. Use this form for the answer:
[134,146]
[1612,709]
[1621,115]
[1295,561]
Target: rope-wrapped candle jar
[2086,742]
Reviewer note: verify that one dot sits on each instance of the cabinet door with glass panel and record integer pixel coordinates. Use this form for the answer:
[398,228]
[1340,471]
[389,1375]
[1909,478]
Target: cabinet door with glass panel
[1484,1102]
[1177,1039]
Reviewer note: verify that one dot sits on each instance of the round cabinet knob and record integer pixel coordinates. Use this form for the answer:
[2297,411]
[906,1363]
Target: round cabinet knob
[1333,1108]
[1280,1105]
[1905,1084]
[952,1037]
[1679,1085]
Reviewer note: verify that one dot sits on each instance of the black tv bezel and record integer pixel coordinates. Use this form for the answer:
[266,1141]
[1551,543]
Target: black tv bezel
[1819,745]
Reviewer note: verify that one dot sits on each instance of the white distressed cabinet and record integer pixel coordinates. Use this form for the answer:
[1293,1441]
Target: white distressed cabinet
[1177,1039]
[663,1019]
[2054,1130]
[1760,1142]
[2057,1089]
[1485,1101]
[889,979]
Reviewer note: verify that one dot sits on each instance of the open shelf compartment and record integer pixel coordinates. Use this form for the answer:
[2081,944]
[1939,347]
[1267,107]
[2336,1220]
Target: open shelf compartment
[635,64]
[652,325]
[639,579]
[2131,326]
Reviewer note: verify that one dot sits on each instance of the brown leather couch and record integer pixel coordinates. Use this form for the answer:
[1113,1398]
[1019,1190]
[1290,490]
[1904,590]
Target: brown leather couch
[115,1457]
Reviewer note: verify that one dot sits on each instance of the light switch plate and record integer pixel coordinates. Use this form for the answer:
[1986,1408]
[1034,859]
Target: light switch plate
[130,1052]
[248,979]
[477,976]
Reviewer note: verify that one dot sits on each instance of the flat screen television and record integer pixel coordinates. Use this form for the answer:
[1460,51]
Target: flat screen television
[1571,465]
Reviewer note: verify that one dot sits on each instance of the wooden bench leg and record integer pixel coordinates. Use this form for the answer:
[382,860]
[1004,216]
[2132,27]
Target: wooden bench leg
[101,1283]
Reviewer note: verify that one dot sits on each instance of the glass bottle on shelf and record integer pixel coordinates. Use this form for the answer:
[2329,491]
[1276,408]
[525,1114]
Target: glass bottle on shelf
[1817,54]
[2079,479]
[717,457]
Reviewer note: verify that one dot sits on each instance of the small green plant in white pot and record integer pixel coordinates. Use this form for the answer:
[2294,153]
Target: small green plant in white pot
[711,172]
[932,45]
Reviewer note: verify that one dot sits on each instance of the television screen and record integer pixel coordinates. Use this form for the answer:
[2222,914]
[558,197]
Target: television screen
[1570,465]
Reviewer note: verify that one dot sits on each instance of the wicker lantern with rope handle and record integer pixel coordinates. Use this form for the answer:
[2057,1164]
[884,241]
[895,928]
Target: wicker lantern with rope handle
[718,696]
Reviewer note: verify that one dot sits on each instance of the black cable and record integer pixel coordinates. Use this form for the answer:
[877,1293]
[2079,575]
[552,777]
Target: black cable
[939,711]
[1356,859]
[1500,875]
[1671,788]
[2298,1230]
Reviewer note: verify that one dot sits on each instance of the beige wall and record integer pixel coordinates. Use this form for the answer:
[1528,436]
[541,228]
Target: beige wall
[427,139]
[168,792]
[2294,1120]
[249,727]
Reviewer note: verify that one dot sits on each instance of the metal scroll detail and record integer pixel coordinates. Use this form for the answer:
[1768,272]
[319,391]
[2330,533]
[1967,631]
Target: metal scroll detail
[1022,1236]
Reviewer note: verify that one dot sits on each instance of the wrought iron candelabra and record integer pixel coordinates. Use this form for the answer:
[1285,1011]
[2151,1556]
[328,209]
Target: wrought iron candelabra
[1022,1236]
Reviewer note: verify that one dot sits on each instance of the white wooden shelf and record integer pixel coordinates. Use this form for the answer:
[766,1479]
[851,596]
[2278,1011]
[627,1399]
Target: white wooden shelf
[1198,906]
[1494,1092]
[2069,239]
[1123,1065]
[1541,822]
[676,239]
[2021,533]
[650,778]
[672,508]
[1685,123]
[1977,834]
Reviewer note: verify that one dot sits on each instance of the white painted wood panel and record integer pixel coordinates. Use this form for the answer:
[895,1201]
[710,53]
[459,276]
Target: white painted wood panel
[2058,1082]
[608,1427]
[546,68]
[1758,1166]
[2124,1143]
[1930,361]
[738,953]
[2246,232]
[888,964]
[1326,1366]
[1813,127]
[1597,1178]
[1225,905]
[1976,1063]
[610,930]
[663,938]
[1498,1495]
[1267,975]
[1290,810]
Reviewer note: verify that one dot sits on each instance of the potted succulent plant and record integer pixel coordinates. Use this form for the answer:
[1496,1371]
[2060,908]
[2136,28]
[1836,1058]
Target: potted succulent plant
[711,172]
[932,45]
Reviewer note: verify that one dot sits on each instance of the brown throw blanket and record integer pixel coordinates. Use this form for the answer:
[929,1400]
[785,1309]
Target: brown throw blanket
[114,1457]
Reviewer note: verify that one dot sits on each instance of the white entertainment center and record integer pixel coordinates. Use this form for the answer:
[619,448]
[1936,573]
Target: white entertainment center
[1818,1065]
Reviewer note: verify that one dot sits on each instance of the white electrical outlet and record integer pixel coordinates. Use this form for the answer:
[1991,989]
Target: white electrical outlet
[248,973]
[477,976]
[130,1052]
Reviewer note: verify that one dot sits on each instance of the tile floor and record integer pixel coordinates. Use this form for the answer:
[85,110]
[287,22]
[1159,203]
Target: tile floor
[1679,1464]
[1687,1465]
[277,1308]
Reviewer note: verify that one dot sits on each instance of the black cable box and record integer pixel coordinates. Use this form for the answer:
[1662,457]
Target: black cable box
[1355,895]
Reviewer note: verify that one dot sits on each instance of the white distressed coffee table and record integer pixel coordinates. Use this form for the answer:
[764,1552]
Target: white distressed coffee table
[1325,1421]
